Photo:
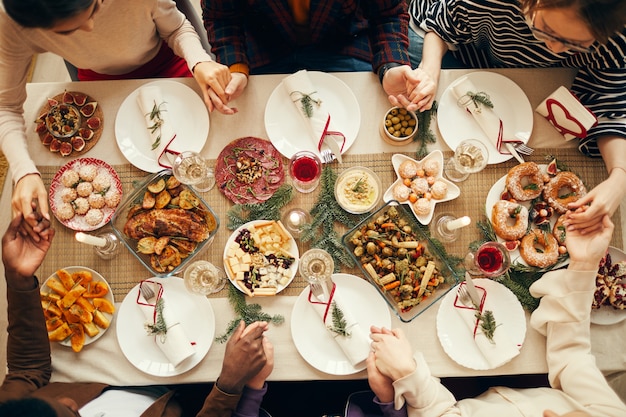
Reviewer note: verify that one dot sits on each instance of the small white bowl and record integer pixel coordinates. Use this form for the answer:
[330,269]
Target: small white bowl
[353,200]
[399,125]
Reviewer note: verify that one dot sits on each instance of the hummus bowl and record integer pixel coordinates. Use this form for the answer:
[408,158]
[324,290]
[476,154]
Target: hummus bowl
[358,190]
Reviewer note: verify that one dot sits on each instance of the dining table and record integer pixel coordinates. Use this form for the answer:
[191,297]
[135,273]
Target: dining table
[103,360]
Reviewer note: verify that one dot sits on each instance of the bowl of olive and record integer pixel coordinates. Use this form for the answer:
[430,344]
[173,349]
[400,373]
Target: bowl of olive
[399,125]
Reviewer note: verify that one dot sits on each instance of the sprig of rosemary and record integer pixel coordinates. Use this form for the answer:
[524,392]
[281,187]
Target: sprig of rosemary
[340,324]
[306,101]
[157,123]
[159,328]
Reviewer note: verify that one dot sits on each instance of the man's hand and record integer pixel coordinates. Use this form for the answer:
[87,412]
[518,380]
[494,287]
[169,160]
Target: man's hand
[586,249]
[393,352]
[244,357]
[412,89]
[29,194]
[213,78]
[379,383]
[257,381]
[21,253]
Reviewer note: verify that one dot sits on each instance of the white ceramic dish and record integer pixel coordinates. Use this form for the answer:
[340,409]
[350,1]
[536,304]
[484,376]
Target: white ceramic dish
[607,315]
[285,127]
[187,112]
[195,314]
[293,250]
[457,339]
[510,103]
[315,343]
[453,189]
[96,277]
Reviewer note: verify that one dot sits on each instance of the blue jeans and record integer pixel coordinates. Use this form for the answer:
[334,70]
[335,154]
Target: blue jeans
[313,59]
[416,46]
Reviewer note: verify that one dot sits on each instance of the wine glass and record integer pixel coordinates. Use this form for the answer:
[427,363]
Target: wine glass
[491,259]
[190,168]
[305,168]
[470,156]
[317,266]
[204,278]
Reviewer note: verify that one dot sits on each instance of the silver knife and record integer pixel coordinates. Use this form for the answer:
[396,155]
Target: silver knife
[514,152]
[471,290]
[334,147]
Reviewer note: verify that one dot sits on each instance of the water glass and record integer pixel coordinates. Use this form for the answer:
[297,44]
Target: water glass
[317,267]
[305,168]
[204,278]
[190,168]
[470,156]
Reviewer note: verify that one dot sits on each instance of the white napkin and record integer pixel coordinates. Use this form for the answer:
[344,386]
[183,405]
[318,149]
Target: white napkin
[568,115]
[356,347]
[486,117]
[175,344]
[504,348]
[167,147]
[299,86]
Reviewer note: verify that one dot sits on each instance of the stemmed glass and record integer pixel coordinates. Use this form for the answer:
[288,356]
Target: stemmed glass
[190,168]
[204,278]
[470,156]
[491,259]
[317,266]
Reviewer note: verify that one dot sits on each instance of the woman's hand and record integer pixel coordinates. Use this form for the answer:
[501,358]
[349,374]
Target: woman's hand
[257,381]
[412,89]
[213,78]
[379,383]
[29,196]
[393,352]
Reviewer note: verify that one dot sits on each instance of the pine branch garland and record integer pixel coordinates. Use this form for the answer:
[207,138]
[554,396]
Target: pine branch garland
[249,313]
[240,214]
[424,134]
[325,213]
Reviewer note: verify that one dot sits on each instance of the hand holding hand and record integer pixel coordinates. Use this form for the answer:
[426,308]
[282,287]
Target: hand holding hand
[213,78]
[257,381]
[412,89]
[586,249]
[21,253]
[244,357]
[588,211]
[379,383]
[237,84]
[393,352]
[30,193]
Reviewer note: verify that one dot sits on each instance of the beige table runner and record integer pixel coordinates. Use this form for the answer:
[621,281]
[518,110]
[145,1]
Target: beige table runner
[125,271]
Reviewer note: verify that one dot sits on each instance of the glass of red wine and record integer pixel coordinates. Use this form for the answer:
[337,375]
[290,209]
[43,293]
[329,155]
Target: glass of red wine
[490,260]
[305,168]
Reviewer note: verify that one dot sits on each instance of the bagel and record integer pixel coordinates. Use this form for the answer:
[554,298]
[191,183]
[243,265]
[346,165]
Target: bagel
[553,191]
[549,253]
[525,181]
[501,214]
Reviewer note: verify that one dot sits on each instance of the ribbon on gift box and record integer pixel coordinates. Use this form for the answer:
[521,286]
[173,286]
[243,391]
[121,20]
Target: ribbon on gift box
[163,139]
[497,351]
[487,119]
[567,114]
[356,346]
[311,108]
[174,344]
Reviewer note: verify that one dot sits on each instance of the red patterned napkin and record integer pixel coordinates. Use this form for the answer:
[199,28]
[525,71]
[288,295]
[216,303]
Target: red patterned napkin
[568,115]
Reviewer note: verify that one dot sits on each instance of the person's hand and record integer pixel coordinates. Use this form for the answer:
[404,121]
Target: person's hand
[21,254]
[29,195]
[588,211]
[586,249]
[379,383]
[237,84]
[213,77]
[257,381]
[412,89]
[244,357]
[393,352]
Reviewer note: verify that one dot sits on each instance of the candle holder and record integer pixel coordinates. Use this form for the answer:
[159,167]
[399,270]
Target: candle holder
[446,227]
[110,249]
[294,219]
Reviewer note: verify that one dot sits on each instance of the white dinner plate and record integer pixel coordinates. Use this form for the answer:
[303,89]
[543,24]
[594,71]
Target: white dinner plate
[453,190]
[315,343]
[509,102]
[96,277]
[286,129]
[186,111]
[606,315]
[293,250]
[195,314]
[457,339]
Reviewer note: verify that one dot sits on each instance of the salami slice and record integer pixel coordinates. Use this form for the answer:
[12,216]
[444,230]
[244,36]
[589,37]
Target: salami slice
[249,170]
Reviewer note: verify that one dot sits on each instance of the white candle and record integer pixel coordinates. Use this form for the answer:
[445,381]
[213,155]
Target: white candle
[90,240]
[458,223]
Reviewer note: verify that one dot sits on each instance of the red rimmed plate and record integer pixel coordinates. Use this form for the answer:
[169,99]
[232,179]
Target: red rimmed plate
[57,196]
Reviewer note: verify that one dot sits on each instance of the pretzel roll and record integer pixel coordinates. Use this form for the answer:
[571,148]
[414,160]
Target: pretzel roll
[525,181]
[502,216]
[563,189]
[549,249]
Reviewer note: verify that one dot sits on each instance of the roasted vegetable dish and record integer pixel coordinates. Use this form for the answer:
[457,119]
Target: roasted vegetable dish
[394,258]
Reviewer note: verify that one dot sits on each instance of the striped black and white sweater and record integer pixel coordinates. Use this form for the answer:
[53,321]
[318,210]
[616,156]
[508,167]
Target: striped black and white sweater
[494,34]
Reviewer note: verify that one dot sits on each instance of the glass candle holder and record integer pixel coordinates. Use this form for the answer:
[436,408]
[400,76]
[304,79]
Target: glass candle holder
[110,249]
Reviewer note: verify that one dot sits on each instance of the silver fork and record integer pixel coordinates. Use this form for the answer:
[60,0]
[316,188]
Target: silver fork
[524,149]
[464,296]
[327,156]
[146,291]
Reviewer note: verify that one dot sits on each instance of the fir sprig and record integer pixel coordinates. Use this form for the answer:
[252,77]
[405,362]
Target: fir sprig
[479,99]
[325,213]
[424,135]
[159,327]
[487,323]
[306,101]
[249,313]
[340,324]
[240,214]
